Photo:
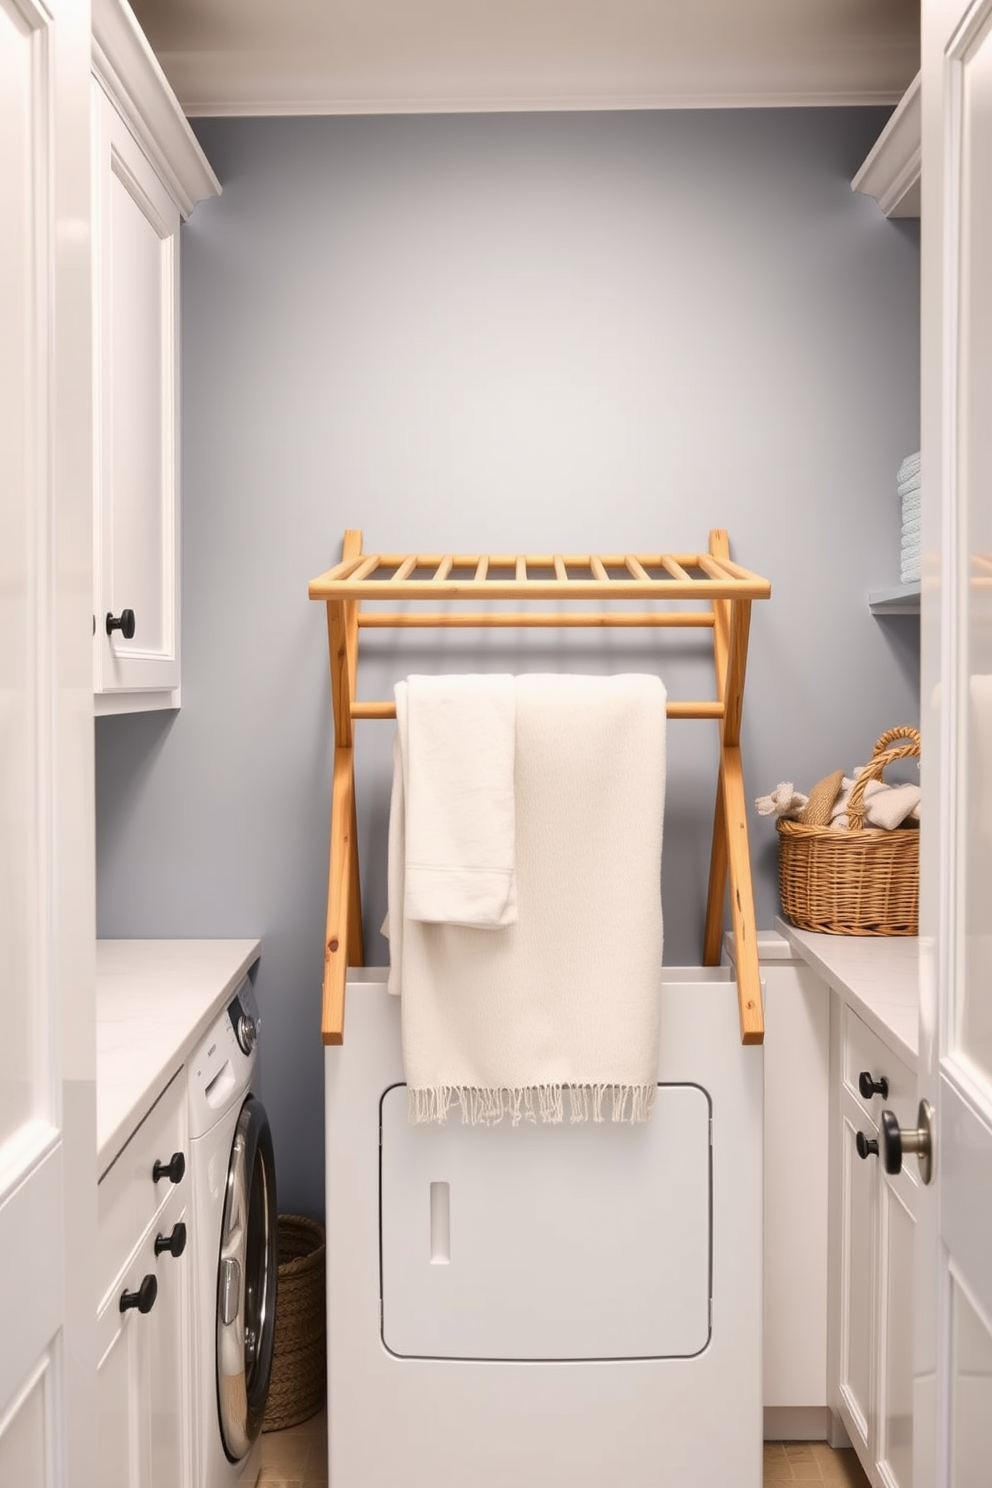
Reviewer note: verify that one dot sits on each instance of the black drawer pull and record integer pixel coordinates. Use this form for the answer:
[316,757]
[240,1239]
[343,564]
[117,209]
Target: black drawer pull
[174,1169]
[143,1299]
[175,1243]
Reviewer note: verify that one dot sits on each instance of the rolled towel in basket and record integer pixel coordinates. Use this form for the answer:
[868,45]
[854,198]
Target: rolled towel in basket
[886,806]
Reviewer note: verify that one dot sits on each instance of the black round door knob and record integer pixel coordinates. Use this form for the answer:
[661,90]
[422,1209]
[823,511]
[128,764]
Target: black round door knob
[867,1146]
[870,1087]
[175,1243]
[174,1169]
[124,622]
[897,1143]
[143,1299]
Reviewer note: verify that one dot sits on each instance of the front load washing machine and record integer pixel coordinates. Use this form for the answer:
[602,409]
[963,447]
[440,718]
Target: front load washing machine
[234,1225]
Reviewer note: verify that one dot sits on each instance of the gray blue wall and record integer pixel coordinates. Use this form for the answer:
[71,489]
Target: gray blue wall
[555,332]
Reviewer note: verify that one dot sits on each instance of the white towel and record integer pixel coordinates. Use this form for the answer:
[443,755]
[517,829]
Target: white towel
[457,746]
[506,1022]
[910,466]
[886,806]
[910,488]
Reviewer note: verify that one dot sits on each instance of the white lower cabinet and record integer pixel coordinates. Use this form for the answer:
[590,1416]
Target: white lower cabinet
[143,1315]
[872,1254]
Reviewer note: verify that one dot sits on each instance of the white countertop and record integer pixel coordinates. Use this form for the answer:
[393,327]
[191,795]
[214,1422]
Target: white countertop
[878,976]
[154,1000]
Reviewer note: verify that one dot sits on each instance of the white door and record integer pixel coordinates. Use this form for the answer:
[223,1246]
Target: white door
[953,1405]
[47,1046]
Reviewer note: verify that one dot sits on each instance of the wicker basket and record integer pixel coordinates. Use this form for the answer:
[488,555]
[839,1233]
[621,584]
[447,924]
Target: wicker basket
[299,1362]
[865,881]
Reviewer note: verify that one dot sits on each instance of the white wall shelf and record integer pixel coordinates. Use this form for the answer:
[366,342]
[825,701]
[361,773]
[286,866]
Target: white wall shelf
[891,173]
[899,599]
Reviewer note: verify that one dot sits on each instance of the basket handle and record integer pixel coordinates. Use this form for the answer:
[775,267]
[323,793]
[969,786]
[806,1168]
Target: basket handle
[873,771]
[884,741]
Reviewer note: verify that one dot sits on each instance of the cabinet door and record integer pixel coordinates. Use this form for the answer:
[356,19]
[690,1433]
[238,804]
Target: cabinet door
[144,1384]
[896,1227]
[136,235]
[859,1182]
[169,1379]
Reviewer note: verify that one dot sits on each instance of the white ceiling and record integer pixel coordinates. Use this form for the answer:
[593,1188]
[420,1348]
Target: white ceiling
[399,56]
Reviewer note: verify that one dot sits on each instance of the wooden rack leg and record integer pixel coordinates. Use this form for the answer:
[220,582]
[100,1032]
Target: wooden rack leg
[713,934]
[343,945]
[731,852]
[741,899]
[339,897]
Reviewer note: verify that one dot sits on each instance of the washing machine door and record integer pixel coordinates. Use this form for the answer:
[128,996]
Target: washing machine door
[246,1282]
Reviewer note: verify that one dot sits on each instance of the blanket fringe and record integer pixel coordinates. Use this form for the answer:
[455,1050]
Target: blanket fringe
[487,1106]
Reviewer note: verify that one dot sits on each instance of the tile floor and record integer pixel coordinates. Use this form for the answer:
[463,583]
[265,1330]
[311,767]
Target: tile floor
[297,1458]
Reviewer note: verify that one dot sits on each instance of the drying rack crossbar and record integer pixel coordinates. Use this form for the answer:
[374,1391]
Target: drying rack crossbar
[722,591]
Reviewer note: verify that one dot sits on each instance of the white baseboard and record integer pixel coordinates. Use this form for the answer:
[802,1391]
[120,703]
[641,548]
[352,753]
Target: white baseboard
[798,1423]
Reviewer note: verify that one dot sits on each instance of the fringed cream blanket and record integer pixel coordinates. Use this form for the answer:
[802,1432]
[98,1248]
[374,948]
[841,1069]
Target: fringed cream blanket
[560,1009]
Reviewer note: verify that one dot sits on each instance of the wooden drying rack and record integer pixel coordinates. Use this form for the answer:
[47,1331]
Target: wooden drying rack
[711,576]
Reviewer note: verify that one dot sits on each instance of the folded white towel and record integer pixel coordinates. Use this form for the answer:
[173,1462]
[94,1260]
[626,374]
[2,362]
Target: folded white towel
[911,539]
[911,573]
[911,487]
[457,746]
[912,511]
[910,466]
[886,806]
[505,1022]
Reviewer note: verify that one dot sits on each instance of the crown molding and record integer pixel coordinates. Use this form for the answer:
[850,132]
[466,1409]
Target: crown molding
[127,70]
[302,107]
[891,173]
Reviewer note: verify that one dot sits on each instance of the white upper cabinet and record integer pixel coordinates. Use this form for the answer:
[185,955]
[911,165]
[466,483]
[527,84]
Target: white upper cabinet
[148,174]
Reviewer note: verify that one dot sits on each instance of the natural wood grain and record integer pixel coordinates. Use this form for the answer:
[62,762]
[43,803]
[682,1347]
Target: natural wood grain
[727,587]
[680,708]
[557,620]
[344,904]
[733,862]
[338,898]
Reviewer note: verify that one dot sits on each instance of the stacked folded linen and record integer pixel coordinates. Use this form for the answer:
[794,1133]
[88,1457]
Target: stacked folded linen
[908,486]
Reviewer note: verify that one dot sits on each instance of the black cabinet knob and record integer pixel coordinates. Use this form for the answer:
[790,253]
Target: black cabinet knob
[175,1243]
[174,1169]
[124,622]
[143,1299]
[870,1087]
[867,1146]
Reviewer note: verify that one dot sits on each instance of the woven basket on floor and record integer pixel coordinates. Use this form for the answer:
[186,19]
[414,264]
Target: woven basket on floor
[863,881]
[299,1361]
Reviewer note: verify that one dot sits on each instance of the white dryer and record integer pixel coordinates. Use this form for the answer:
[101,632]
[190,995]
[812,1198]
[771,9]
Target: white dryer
[235,1255]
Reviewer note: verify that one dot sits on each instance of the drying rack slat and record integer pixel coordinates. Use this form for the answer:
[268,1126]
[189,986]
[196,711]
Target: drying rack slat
[723,593]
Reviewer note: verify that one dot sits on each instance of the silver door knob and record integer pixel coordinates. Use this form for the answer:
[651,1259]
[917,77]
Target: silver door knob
[896,1142]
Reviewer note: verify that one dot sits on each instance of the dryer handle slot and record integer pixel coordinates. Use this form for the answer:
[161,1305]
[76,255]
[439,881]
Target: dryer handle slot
[440,1224]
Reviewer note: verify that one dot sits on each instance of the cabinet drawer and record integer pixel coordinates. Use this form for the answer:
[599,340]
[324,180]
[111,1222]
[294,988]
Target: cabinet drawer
[864,1051]
[128,1198]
